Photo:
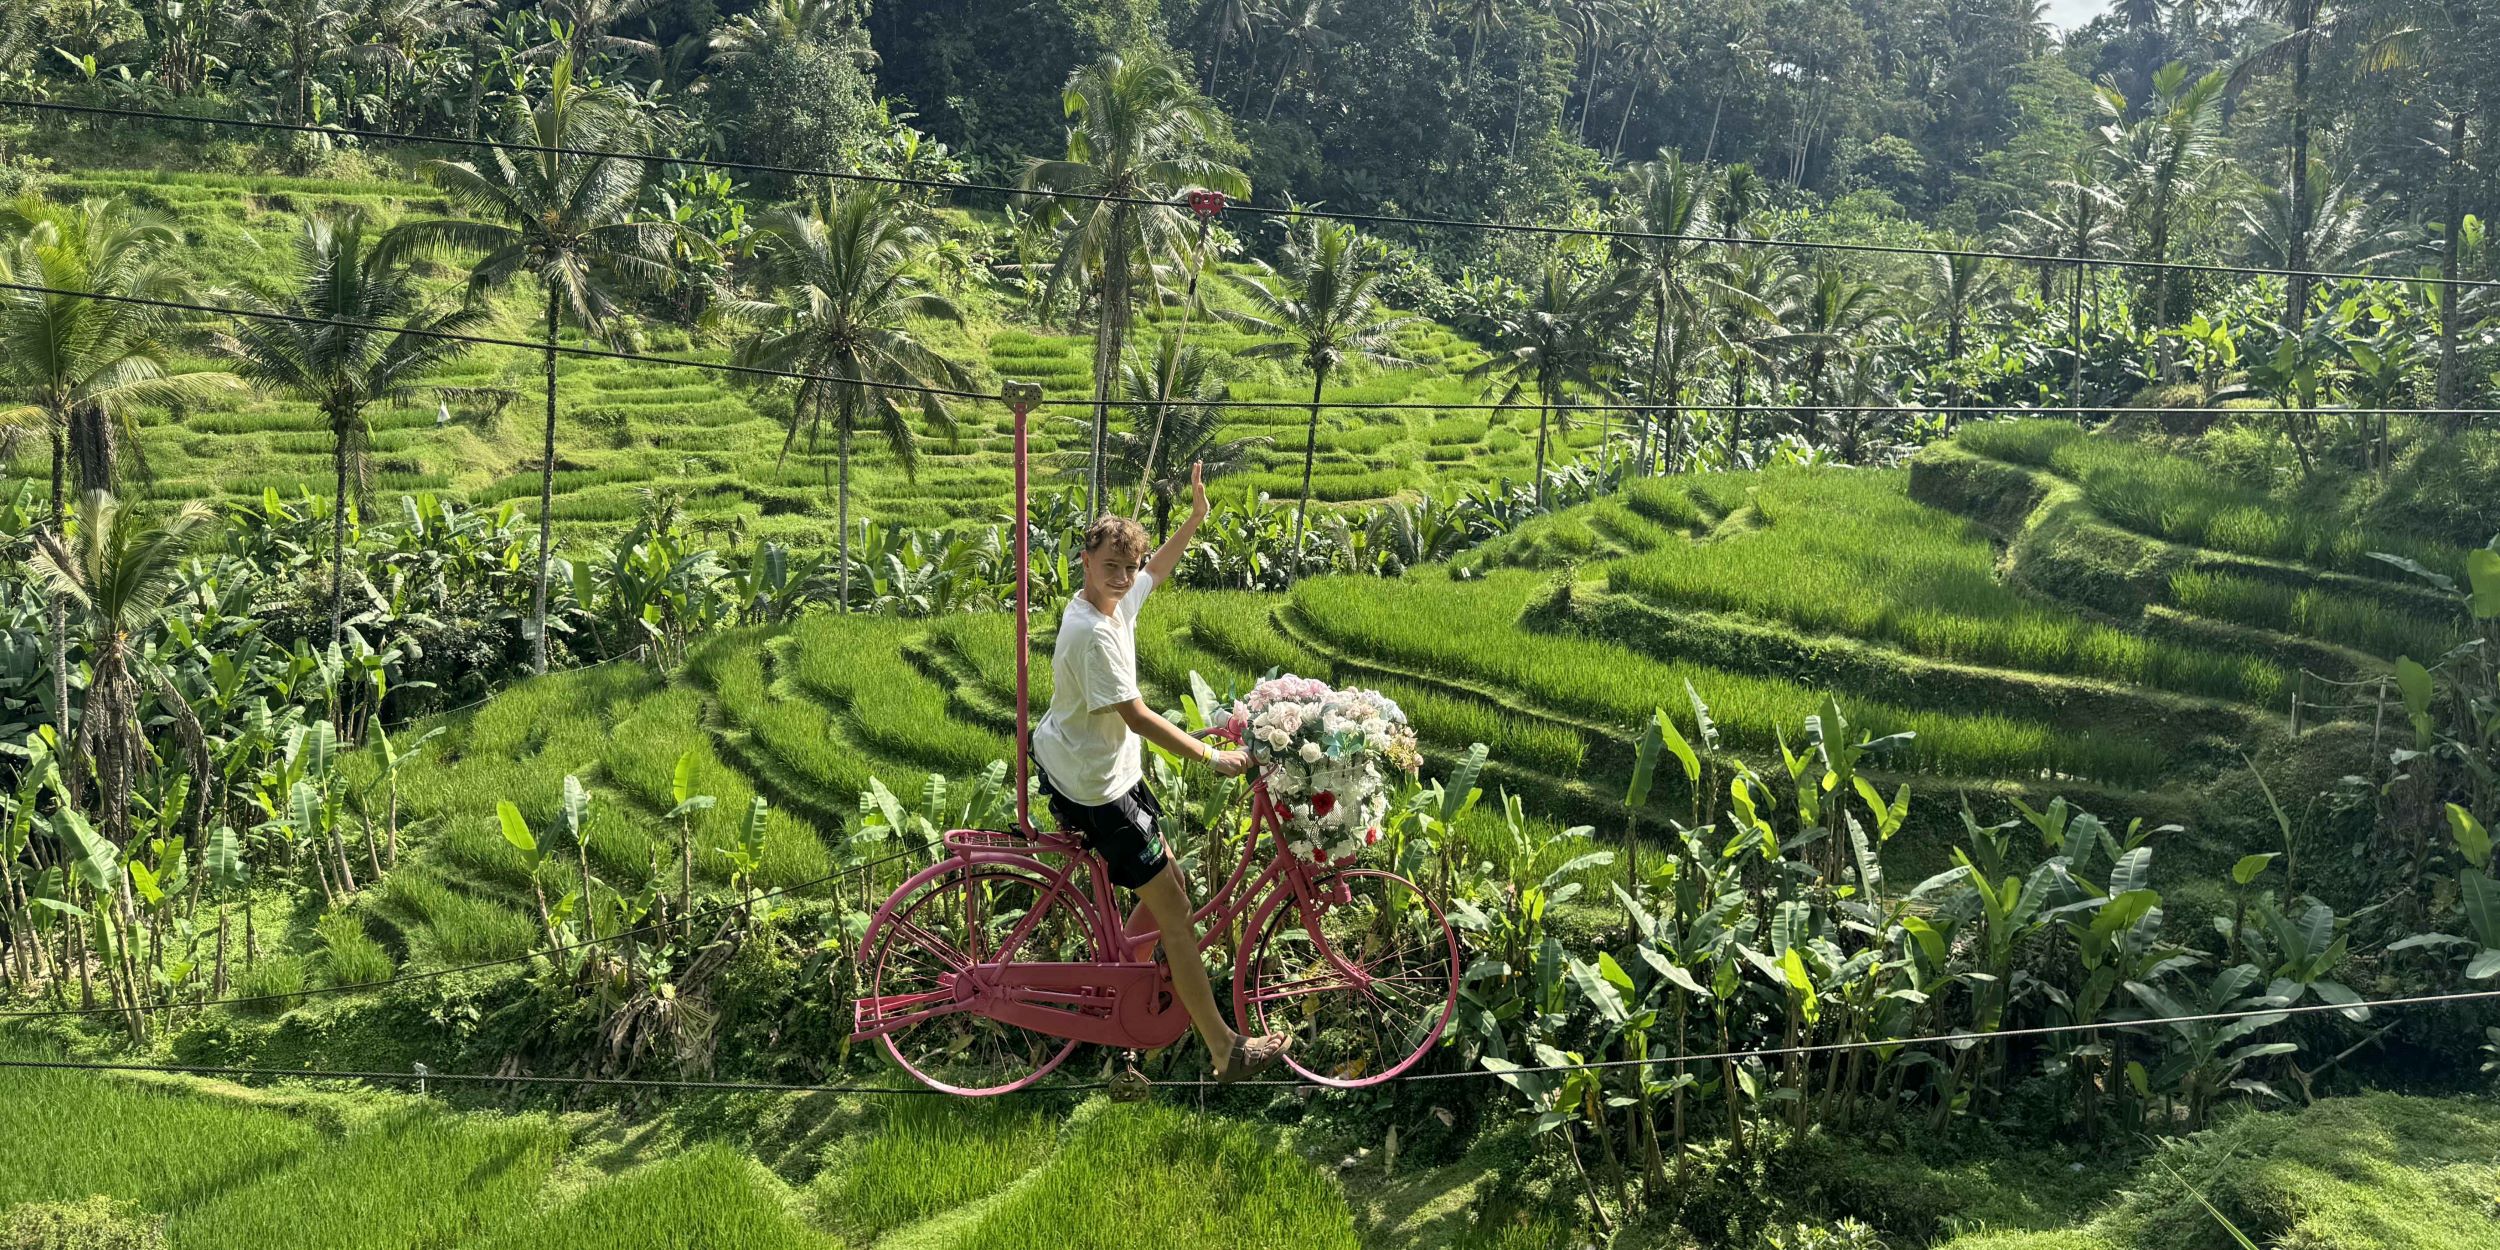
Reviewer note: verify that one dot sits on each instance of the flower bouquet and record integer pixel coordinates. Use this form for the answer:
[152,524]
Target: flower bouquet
[1325,758]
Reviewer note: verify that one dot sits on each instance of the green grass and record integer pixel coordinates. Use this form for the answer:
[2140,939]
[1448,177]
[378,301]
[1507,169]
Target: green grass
[1148,1177]
[2376,1172]
[925,1156]
[2178,498]
[2364,624]
[410,1178]
[1471,630]
[1848,552]
[709,1196]
[227,1169]
[71,1134]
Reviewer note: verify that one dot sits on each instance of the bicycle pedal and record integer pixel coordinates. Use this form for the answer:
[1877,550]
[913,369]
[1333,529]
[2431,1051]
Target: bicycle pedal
[1130,1085]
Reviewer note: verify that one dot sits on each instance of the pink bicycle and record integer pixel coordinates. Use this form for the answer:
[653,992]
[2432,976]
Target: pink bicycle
[986,969]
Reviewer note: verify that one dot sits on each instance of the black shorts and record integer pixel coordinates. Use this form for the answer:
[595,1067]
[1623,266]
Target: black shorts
[1124,832]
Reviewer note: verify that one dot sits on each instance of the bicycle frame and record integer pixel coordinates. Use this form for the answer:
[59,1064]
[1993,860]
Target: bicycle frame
[1120,998]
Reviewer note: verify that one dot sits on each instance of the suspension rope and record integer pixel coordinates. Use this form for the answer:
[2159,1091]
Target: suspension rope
[1359,218]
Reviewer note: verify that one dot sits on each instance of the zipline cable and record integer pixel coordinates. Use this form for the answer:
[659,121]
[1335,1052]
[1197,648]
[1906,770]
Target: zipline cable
[1359,218]
[1762,1053]
[1414,405]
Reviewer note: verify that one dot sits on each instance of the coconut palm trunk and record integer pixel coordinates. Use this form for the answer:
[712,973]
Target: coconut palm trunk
[1736,415]
[2451,393]
[1310,452]
[2296,285]
[1110,334]
[339,432]
[842,500]
[1544,423]
[56,610]
[546,494]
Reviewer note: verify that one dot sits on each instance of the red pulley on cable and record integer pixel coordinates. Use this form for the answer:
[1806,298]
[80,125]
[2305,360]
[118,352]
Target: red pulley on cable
[1209,205]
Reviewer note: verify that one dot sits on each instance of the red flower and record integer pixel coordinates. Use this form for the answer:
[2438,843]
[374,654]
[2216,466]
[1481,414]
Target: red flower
[1370,836]
[1319,855]
[1323,803]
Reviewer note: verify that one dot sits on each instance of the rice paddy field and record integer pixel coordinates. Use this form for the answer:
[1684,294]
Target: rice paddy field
[214,1165]
[626,429]
[2173,496]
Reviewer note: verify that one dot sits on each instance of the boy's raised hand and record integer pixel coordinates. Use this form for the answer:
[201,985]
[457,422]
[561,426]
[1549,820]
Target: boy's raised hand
[1197,486]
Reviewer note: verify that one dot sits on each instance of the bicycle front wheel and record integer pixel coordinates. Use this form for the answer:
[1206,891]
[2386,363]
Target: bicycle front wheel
[955,922]
[1362,972]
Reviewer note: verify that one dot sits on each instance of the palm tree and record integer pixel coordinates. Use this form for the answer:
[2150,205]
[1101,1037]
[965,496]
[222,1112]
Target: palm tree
[1746,291]
[777,24]
[118,574]
[1555,343]
[1828,320]
[1135,134]
[1321,311]
[1302,31]
[564,218]
[846,293]
[82,367]
[307,32]
[1478,16]
[581,28]
[1649,49]
[1961,290]
[2165,158]
[351,364]
[1668,200]
[1180,387]
[1229,18]
[2314,26]
[2344,227]
[2080,223]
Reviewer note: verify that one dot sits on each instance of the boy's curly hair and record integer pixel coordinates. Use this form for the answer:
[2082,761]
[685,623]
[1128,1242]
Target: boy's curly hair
[1121,534]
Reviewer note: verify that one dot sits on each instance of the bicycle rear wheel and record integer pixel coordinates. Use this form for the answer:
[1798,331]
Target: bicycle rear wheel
[1365,985]
[953,923]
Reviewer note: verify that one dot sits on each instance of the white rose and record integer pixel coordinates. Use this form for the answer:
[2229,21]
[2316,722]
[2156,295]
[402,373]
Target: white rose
[1311,753]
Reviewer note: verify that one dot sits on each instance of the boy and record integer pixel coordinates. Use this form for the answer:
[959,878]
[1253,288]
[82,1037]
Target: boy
[1092,767]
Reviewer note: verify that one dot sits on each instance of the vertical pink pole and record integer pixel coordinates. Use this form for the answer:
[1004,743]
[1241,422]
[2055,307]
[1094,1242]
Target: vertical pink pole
[1021,396]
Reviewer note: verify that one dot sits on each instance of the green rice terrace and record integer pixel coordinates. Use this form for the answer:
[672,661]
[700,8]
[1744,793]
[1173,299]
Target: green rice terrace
[626,428]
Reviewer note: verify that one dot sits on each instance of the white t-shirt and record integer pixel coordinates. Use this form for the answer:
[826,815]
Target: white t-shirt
[1090,753]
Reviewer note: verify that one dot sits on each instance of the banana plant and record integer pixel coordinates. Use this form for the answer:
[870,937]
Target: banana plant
[746,856]
[2207,1056]
[689,805]
[392,758]
[2478,899]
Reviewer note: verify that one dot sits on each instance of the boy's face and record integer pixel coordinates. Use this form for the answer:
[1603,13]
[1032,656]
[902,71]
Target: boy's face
[1111,570]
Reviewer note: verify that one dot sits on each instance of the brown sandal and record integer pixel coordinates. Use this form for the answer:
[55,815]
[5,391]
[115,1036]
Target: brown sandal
[1251,1056]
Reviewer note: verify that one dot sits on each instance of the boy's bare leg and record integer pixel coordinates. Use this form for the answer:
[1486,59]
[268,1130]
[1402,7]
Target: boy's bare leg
[1167,898]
